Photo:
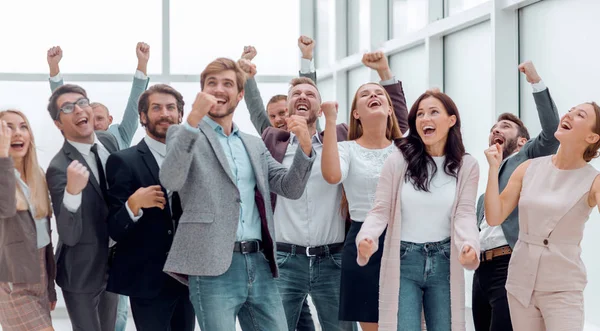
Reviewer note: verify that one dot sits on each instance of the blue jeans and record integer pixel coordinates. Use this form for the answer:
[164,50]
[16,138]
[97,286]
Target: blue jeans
[300,275]
[121,314]
[424,286]
[247,290]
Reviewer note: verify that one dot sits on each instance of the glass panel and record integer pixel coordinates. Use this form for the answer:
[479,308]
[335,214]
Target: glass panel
[408,16]
[241,116]
[326,88]
[356,78]
[324,32]
[246,23]
[457,6]
[88,42]
[359,26]
[568,64]
[410,66]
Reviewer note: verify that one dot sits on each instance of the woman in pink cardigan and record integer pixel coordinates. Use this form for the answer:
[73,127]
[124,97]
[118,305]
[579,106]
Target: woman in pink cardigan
[426,198]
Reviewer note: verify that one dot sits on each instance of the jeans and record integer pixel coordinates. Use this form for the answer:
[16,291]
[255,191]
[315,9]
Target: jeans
[121,314]
[247,290]
[305,322]
[299,276]
[424,286]
[490,303]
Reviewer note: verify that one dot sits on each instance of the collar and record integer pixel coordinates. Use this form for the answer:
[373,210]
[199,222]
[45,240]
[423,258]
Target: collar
[156,146]
[315,139]
[84,149]
[218,128]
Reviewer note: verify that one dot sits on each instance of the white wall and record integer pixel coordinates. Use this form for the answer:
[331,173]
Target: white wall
[560,37]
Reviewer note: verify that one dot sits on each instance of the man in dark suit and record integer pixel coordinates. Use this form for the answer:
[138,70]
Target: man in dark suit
[143,219]
[79,204]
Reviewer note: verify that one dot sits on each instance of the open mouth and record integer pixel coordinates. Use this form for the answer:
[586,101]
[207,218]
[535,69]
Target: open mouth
[498,140]
[18,145]
[82,121]
[428,130]
[221,101]
[565,125]
[374,103]
[301,107]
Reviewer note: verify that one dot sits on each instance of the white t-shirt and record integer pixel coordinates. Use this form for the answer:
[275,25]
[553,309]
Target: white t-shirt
[361,168]
[426,215]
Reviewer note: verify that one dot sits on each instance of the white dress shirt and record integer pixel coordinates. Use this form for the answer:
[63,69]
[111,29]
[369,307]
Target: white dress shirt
[315,218]
[158,150]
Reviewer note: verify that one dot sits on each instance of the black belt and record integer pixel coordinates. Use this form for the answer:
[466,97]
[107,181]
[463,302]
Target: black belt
[310,251]
[245,247]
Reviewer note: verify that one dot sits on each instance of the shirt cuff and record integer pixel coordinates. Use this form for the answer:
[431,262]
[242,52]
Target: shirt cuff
[538,87]
[306,66]
[133,217]
[389,81]
[72,202]
[139,75]
[189,127]
[56,78]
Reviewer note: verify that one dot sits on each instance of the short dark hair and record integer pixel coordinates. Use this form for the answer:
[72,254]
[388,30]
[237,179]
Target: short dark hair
[144,102]
[522,129]
[53,108]
[276,98]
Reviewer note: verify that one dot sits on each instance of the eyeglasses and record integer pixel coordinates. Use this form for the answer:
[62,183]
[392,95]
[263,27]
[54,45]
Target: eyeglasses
[69,107]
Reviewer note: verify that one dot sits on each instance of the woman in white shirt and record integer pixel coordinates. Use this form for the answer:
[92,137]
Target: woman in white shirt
[357,163]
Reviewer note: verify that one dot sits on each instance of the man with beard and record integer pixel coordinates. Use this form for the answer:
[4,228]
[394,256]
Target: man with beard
[311,230]
[143,218]
[490,304]
[224,246]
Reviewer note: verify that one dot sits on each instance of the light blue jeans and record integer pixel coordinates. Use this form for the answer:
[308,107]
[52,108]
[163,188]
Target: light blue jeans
[424,286]
[247,290]
[121,324]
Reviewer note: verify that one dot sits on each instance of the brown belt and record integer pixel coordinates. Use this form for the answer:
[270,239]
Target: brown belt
[490,254]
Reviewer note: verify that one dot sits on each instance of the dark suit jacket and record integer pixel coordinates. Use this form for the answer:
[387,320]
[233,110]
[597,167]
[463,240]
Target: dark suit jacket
[137,267]
[542,145]
[82,253]
[277,140]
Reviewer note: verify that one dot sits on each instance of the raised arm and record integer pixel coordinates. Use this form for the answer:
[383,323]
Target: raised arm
[367,239]
[53,57]
[499,205]
[331,164]
[66,187]
[130,122]
[180,144]
[8,181]
[378,61]
[545,143]
[466,233]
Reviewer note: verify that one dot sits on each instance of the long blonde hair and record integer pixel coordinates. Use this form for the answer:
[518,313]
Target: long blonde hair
[34,177]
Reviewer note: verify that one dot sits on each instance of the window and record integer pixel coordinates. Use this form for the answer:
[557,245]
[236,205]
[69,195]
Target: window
[410,66]
[408,16]
[359,26]
[457,6]
[325,33]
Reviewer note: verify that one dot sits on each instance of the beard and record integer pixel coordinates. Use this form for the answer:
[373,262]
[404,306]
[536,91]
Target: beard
[155,131]
[509,147]
[229,111]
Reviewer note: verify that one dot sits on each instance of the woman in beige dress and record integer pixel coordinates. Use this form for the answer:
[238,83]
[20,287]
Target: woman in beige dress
[27,268]
[555,195]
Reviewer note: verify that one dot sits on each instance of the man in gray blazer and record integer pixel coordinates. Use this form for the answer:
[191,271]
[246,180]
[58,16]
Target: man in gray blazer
[490,305]
[78,200]
[224,248]
[125,130]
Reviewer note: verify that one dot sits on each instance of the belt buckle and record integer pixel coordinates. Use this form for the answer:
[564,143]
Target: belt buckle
[308,252]
[243,246]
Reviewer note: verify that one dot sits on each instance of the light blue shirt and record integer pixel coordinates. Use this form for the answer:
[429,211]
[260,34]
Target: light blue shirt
[249,225]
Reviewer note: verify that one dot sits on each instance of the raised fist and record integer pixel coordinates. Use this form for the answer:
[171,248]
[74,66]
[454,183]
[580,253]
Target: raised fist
[54,55]
[203,104]
[307,46]
[531,74]
[249,53]
[375,60]
[77,177]
[5,137]
[248,67]
[330,110]
[142,51]
[494,155]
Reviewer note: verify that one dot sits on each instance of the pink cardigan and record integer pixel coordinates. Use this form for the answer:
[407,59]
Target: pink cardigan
[386,212]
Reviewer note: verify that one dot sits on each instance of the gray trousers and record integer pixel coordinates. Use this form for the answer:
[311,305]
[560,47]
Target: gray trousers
[92,311]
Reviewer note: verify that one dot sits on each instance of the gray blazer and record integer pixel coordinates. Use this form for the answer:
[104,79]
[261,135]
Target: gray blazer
[197,168]
[544,144]
[256,107]
[125,130]
[82,251]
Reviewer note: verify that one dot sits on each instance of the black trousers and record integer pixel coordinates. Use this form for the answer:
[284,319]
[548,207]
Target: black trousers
[170,310]
[490,304]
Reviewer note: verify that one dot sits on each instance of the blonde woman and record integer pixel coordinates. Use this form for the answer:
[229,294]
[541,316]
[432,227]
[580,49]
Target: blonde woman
[27,267]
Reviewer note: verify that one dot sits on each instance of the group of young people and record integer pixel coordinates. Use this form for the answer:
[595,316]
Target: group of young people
[374,219]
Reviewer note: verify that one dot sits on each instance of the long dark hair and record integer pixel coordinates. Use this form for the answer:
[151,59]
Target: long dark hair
[413,148]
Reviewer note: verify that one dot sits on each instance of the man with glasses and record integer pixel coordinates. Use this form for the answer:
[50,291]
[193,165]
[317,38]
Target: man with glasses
[79,203]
